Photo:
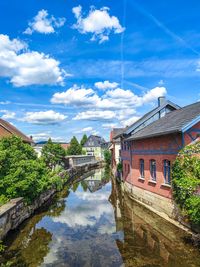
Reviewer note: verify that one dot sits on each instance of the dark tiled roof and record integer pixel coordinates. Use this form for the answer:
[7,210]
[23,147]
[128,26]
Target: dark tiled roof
[14,131]
[172,122]
[117,131]
[148,115]
[94,141]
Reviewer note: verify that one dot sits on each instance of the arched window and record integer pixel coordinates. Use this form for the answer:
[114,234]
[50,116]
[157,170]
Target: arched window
[167,171]
[141,168]
[153,169]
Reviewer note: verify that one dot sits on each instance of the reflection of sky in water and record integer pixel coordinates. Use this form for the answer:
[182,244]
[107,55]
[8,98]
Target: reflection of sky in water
[85,228]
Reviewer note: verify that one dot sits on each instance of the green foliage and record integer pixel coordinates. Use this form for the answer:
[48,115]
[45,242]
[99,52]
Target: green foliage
[22,174]
[119,167]
[186,181]
[107,156]
[2,246]
[83,140]
[53,154]
[75,148]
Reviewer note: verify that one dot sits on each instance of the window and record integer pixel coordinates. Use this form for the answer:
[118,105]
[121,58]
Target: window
[167,171]
[153,169]
[141,168]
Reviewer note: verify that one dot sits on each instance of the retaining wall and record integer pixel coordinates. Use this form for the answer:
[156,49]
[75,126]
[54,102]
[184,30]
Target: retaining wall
[13,213]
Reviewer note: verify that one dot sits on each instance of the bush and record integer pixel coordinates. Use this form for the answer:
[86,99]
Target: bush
[186,181]
[22,173]
[53,154]
[107,156]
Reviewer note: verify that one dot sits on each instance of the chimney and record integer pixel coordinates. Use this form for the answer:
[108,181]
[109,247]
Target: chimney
[161,100]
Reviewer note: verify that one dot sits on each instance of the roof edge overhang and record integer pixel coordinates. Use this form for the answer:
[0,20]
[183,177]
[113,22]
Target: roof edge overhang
[135,125]
[190,124]
[152,135]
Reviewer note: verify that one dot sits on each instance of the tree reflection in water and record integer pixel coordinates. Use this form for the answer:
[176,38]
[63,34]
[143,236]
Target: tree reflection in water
[92,223]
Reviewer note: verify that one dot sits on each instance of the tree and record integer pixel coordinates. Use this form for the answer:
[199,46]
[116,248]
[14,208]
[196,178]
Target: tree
[75,148]
[83,140]
[22,174]
[107,156]
[53,154]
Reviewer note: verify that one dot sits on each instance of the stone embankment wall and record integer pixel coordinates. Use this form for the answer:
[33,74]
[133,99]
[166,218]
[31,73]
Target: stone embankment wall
[164,207]
[13,213]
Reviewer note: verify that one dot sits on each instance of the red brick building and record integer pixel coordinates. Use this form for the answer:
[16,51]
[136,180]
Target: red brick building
[148,154]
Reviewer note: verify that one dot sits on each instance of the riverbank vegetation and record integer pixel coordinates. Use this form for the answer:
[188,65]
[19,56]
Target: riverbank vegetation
[75,148]
[186,182]
[23,174]
[107,157]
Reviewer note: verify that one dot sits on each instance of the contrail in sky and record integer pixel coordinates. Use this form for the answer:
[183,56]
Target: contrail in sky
[122,44]
[163,27]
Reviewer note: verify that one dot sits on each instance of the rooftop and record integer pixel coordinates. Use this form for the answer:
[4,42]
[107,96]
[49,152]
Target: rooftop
[174,121]
[13,131]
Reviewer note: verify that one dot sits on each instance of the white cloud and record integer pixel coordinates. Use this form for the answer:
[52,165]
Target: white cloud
[98,23]
[77,96]
[106,85]
[110,125]
[25,67]
[95,115]
[43,23]
[7,114]
[45,136]
[161,82]
[44,117]
[115,104]
[130,121]
[85,130]
[153,94]
[5,102]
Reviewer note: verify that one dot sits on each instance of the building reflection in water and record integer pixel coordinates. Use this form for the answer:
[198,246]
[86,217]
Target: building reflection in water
[94,224]
[148,240]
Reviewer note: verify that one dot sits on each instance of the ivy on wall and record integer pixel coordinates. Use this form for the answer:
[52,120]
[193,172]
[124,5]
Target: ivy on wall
[186,182]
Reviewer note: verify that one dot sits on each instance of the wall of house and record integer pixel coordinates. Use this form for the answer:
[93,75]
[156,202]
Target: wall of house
[94,151]
[192,133]
[157,148]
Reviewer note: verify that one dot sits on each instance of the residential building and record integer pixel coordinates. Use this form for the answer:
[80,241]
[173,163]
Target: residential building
[147,154]
[115,146]
[7,129]
[149,148]
[95,146]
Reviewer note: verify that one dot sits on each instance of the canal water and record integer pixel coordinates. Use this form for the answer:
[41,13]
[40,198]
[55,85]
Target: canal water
[93,223]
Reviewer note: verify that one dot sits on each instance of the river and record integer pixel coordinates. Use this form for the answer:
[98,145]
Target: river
[93,223]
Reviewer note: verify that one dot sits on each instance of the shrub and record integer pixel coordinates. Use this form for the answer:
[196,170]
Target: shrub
[186,181]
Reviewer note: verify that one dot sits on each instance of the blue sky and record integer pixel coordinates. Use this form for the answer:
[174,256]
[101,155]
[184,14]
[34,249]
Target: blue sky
[74,67]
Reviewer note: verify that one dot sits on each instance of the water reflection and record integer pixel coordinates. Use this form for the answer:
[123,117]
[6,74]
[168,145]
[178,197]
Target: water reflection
[95,224]
[148,239]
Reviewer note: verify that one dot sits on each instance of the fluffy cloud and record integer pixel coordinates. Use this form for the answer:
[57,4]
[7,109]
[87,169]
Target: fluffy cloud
[77,96]
[25,67]
[7,114]
[44,117]
[153,94]
[130,121]
[85,130]
[114,105]
[43,23]
[45,136]
[95,115]
[98,23]
[106,85]
[110,125]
